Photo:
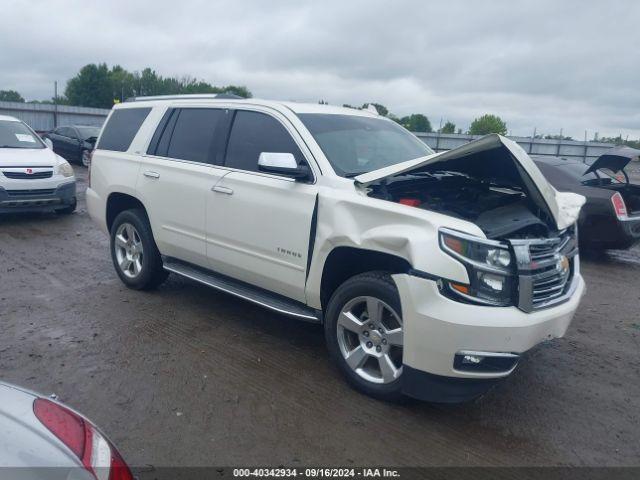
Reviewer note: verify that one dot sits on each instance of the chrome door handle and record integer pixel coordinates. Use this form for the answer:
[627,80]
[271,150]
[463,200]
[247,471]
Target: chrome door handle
[151,174]
[225,190]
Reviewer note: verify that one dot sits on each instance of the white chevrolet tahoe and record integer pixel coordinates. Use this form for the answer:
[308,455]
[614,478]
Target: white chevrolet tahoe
[32,177]
[431,272]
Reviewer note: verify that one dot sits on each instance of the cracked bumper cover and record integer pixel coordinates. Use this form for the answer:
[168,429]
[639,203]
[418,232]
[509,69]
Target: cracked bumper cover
[436,328]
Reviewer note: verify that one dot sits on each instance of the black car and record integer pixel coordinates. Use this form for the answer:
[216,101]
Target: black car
[611,216]
[74,142]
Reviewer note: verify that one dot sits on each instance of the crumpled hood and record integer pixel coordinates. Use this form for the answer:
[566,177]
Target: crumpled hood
[564,206]
[28,157]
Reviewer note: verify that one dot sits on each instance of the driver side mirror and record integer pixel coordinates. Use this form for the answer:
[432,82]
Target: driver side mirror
[48,143]
[283,164]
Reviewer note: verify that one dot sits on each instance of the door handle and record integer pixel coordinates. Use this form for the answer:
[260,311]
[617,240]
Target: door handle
[151,174]
[225,190]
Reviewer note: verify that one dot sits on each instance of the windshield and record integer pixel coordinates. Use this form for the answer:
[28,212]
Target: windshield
[88,132]
[355,145]
[18,135]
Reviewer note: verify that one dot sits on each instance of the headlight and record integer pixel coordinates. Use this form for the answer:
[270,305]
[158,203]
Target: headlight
[64,169]
[489,264]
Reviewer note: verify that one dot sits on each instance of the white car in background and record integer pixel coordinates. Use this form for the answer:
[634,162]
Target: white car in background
[32,176]
[42,438]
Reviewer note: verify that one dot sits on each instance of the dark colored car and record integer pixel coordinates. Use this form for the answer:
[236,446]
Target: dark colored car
[611,216]
[74,142]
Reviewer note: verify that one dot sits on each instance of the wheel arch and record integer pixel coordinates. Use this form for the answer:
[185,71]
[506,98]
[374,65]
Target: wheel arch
[344,262]
[118,202]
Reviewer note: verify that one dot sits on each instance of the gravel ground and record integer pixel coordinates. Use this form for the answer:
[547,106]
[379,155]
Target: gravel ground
[187,376]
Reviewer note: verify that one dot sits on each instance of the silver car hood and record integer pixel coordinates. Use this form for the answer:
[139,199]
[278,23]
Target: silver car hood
[564,206]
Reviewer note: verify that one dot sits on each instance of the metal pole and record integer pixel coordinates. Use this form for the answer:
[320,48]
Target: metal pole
[438,137]
[586,147]
[559,143]
[532,139]
[55,104]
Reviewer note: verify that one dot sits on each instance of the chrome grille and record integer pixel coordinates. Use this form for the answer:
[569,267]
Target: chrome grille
[549,284]
[545,269]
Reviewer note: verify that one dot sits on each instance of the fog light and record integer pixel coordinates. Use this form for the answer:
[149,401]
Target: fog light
[485,362]
[494,282]
[473,359]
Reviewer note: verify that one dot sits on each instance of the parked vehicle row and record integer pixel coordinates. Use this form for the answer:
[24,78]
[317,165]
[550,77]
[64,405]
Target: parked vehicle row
[32,176]
[432,273]
[74,142]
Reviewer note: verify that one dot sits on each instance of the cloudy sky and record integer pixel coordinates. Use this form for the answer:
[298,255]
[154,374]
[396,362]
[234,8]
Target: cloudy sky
[548,64]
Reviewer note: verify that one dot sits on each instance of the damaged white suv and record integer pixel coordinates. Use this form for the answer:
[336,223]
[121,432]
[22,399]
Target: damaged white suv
[431,272]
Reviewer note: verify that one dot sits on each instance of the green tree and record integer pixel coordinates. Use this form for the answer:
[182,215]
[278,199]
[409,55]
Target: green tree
[123,83]
[448,127]
[10,96]
[97,86]
[416,122]
[488,124]
[239,90]
[91,87]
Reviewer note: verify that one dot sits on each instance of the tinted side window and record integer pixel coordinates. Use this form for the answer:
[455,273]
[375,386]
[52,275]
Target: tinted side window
[253,133]
[121,128]
[193,134]
[65,131]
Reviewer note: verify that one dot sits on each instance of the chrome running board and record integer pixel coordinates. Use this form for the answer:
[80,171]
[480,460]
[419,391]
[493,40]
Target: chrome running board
[254,294]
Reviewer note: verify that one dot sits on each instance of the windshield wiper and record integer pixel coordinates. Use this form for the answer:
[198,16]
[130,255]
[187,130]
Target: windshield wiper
[354,174]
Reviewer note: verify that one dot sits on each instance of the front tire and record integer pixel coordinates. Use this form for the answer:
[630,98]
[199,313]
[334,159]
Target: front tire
[134,252]
[364,334]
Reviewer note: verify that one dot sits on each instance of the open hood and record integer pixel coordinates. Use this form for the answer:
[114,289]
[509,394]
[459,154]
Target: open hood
[615,160]
[563,206]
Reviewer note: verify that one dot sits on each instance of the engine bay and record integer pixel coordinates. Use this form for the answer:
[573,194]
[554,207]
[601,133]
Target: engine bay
[501,209]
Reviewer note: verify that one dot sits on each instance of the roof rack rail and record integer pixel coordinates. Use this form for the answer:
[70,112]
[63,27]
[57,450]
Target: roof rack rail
[189,96]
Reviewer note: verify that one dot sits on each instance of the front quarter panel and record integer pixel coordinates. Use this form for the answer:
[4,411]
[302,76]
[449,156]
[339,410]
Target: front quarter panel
[348,218]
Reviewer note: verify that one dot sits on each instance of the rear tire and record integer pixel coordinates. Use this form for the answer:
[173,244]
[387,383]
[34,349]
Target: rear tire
[367,345]
[134,252]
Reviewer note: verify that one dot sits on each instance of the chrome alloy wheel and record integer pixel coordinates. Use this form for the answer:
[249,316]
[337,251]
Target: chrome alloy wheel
[370,339]
[128,249]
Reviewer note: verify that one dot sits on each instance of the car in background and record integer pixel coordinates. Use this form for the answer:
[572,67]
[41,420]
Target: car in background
[43,438]
[32,176]
[74,142]
[611,216]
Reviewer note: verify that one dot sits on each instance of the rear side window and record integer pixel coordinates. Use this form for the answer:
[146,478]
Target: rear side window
[121,128]
[65,132]
[253,133]
[193,134]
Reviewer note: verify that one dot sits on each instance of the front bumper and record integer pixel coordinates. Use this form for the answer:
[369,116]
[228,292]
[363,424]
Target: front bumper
[437,328]
[37,199]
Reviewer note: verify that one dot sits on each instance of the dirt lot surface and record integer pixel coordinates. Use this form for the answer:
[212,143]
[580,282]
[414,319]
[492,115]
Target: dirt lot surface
[189,376]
